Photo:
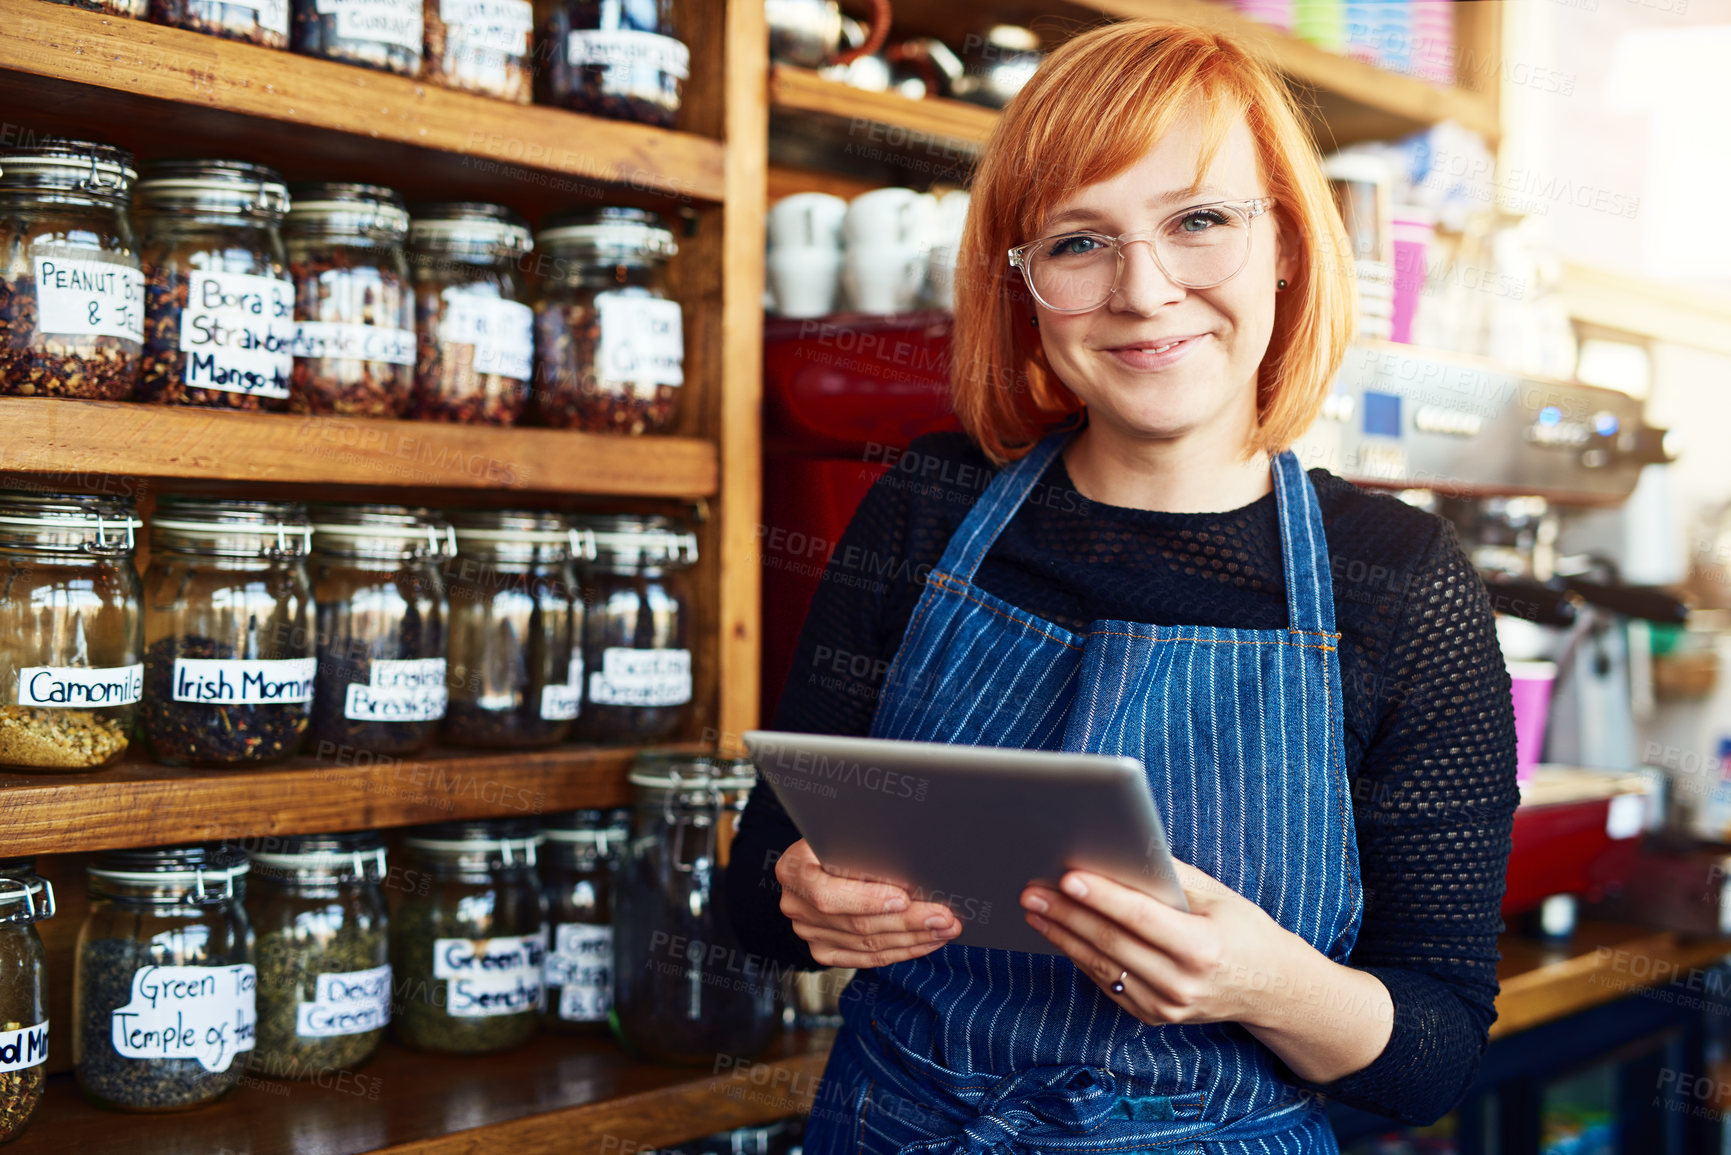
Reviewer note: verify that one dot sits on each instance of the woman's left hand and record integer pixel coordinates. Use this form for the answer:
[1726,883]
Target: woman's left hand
[1220,962]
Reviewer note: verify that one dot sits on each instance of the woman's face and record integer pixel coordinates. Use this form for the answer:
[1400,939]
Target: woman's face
[1108,357]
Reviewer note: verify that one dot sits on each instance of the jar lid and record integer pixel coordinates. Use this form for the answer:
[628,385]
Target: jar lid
[199,866]
[631,539]
[68,521]
[469,224]
[342,207]
[513,839]
[683,769]
[521,527]
[231,187]
[76,166]
[585,826]
[24,897]
[610,229]
[388,531]
[351,852]
[235,528]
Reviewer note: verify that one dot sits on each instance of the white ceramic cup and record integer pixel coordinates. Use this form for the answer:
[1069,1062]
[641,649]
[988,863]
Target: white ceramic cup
[884,279]
[804,280]
[806,220]
[887,218]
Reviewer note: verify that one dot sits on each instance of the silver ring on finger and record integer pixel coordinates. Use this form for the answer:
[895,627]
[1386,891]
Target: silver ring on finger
[1118,987]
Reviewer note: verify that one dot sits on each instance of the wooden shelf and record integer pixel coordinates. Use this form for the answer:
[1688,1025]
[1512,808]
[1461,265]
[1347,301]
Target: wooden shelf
[165,87]
[556,1094]
[61,437]
[143,803]
[934,123]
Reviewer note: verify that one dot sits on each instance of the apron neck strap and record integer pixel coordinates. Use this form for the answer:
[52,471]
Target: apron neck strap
[992,512]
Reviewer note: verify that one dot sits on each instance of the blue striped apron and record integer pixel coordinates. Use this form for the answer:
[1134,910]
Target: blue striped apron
[978,1051]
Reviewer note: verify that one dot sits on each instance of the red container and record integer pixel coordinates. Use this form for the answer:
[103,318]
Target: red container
[1580,846]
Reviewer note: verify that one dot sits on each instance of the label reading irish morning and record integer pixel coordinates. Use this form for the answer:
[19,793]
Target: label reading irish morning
[57,686]
[244,681]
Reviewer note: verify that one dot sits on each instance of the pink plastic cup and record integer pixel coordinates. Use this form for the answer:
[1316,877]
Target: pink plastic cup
[1530,683]
[1414,229]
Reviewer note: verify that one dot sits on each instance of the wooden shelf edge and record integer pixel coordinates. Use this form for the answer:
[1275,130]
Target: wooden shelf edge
[146,804]
[65,437]
[948,124]
[190,68]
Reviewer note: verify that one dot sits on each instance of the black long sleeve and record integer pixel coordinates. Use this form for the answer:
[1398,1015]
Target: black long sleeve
[1429,729]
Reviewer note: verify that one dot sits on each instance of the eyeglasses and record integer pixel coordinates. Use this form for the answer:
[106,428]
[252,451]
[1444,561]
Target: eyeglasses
[1197,247]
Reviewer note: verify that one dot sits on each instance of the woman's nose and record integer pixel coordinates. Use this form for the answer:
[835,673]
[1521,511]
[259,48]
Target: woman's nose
[1143,286]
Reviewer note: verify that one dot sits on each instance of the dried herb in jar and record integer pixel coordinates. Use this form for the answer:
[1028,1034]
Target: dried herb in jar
[58,739]
[261,22]
[99,367]
[481,46]
[621,61]
[289,966]
[199,732]
[569,390]
[215,378]
[20,1092]
[451,384]
[382,34]
[134,9]
[347,659]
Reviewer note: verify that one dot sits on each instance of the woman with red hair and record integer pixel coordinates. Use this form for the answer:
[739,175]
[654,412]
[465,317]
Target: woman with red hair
[1123,556]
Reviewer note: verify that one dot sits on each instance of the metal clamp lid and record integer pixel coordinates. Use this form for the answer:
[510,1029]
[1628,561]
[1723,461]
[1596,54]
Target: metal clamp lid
[78,166]
[250,189]
[198,876]
[26,890]
[112,534]
[356,860]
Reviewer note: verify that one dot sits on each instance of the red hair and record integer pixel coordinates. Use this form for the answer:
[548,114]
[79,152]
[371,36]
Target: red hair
[1097,105]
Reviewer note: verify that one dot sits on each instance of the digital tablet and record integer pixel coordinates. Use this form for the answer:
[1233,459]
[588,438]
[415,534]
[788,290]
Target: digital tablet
[969,826]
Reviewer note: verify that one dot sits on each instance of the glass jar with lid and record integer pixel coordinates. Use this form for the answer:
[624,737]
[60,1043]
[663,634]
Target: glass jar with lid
[25,900]
[163,990]
[354,309]
[382,34]
[322,950]
[609,340]
[379,610]
[516,673]
[468,950]
[577,864]
[474,330]
[219,314]
[261,22]
[134,9]
[71,281]
[229,663]
[684,989]
[636,629]
[483,46]
[71,630]
[624,61]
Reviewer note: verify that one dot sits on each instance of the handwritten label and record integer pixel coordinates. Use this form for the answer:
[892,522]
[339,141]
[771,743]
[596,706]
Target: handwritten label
[89,297]
[561,703]
[80,686]
[273,15]
[238,332]
[628,49]
[349,1003]
[490,976]
[501,332]
[641,678]
[399,690]
[581,966]
[495,25]
[202,1013]
[244,681]
[642,341]
[359,342]
[25,1048]
[395,22]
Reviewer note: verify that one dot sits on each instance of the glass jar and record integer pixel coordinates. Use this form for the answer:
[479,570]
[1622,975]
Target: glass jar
[25,900]
[684,990]
[469,952]
[577,864]
[354,310]
[609,343]
[163,987]
[71,283]
[616,59]
[380,614]
[323,955]
[135,9]
[474,332]
[516,629]
[636,630]
[219,306]
[71,630]
[229,665]
[261,22]
[382,34]
[484,46]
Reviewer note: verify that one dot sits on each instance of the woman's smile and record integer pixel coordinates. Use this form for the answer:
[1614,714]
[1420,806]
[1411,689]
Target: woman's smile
[1153,354]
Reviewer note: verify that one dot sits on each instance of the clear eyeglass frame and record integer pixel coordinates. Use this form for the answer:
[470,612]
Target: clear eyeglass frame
[1022,256]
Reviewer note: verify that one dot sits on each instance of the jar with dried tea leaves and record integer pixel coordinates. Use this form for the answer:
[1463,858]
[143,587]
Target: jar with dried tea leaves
[71,281]
[578,859]
[25,900]
[621,59]
[636,629]
[164,988]
[609,341]
[229,664]
[322,951]
[380,623]
[354,310]
[71,630]
[483,46]
[261,22]
[135,9]
[516,629]
[382,34]
[468,953]
[474,332]
[219,320]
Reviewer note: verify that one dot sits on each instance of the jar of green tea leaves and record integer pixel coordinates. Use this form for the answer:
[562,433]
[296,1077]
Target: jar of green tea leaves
[468,953]
[324,972]
[577,864]
[25,900]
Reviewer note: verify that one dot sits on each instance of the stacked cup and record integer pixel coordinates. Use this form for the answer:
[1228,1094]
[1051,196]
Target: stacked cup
[888,234]
[805,253]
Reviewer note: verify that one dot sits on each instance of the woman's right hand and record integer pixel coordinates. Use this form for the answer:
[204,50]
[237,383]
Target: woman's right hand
[848,923]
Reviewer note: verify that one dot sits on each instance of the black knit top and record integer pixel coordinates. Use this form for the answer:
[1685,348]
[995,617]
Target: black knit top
[1429,726]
